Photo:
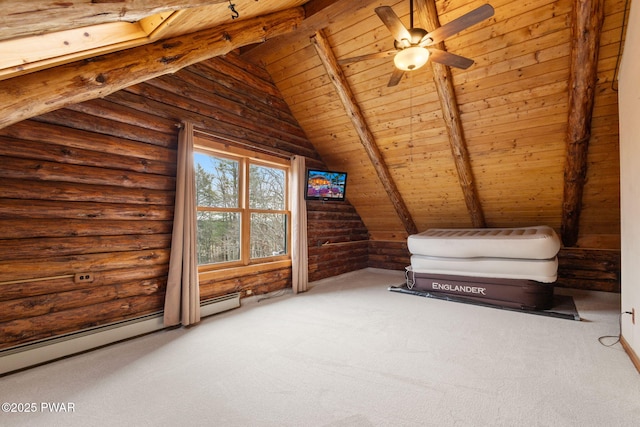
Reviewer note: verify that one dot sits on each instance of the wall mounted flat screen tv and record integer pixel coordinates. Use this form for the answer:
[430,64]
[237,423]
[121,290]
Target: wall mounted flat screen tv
[325,185]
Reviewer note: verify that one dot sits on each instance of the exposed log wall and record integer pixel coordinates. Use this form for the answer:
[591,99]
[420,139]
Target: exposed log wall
[262,280]
[337,239]
[90,189]
[391,255]
[590,269]
[77,201]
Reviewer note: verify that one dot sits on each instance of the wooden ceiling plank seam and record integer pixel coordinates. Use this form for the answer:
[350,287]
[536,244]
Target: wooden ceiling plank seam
[300,73]
[496,102]
[532,114]
[503,82]
[490,40]
[288,56]
[366,137]
[551,98]
[363,33]
[318,14]
[587,25]
[370,95]
[466,95]
[510,62]
[506,129]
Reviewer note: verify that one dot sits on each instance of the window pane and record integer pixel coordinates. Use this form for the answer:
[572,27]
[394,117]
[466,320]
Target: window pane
[217,181]
[218,237]
[266,188]
[268,235]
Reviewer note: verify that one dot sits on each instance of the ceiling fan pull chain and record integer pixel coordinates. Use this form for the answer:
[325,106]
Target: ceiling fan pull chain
[234,12]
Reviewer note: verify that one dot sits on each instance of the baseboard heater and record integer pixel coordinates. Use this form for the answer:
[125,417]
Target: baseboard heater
[31,354]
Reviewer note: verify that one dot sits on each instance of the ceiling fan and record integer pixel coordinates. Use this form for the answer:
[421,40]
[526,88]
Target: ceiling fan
[414,46]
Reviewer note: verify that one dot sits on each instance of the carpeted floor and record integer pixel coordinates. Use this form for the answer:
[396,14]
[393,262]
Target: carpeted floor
[349,353]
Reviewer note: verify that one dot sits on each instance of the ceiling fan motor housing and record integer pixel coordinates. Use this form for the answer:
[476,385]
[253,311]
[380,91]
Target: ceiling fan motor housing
[410,55]
[417,34]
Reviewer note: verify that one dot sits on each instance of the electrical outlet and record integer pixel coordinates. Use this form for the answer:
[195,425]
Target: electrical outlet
[83,278]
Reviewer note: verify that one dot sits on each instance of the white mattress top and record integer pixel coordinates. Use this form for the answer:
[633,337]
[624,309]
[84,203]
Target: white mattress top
[540,242]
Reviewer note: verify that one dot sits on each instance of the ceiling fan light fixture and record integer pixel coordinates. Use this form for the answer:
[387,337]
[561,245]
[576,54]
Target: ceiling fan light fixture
[411,58]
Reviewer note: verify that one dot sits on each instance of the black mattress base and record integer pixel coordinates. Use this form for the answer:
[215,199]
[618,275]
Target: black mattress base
[562,306]
[514,293]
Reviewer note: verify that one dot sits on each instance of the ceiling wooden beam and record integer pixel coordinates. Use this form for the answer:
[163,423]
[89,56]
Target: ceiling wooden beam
[47,90]
[22,18]
[588,18]
[428,17]
[367,139]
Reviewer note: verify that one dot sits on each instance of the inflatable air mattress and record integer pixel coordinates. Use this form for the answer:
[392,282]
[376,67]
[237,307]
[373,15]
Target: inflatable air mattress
[512,267]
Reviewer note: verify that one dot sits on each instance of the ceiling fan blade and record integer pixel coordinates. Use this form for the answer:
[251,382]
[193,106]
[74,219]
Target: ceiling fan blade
[457,25]
[376,55]
[393,23]
[450,59]
[396,76]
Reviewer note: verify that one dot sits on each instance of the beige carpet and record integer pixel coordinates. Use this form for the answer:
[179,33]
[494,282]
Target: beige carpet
[349,353]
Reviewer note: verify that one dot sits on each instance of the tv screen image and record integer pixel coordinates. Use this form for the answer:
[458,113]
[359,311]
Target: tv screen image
[326,185]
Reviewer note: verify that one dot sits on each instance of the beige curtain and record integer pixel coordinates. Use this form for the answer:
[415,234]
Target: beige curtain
[299,253]
[182,300]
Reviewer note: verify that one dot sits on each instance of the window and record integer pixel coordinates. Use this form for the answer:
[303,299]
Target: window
[242,207]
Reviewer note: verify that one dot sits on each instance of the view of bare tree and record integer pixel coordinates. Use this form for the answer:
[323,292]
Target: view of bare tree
[218,195]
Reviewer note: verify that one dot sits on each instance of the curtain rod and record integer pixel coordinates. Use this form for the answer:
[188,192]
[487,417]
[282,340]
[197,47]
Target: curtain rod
[245,145]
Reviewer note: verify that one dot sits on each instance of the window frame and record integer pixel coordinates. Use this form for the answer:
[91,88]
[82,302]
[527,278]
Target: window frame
[245,158]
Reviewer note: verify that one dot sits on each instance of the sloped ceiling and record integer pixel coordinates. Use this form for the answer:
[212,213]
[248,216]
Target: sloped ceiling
[513,103]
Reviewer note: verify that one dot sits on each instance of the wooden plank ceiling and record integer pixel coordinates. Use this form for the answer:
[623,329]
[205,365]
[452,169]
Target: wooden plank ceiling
[510,109]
